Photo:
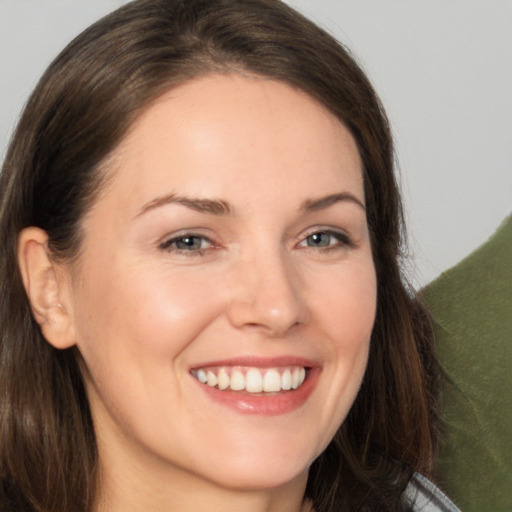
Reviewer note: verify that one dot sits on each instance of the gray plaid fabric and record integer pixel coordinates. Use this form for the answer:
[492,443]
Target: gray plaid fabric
[421,495]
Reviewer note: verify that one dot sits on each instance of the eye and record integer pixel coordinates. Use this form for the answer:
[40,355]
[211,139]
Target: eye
[187,243]
[326,239]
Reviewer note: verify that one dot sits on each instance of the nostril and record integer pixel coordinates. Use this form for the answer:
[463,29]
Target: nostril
[267,296]
[256,316]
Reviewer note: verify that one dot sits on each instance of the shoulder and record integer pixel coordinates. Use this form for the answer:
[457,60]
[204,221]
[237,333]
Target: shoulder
[421,495]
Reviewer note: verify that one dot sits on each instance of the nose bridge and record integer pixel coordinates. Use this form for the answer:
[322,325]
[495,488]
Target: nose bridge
[268,292]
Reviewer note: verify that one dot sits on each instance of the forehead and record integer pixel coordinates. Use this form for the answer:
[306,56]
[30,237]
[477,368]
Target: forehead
[215,129]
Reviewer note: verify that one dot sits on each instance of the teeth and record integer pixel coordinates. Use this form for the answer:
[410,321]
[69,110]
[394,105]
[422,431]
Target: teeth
[201,376]
[272,381]
[295,378]
[237,381]
[286,380]
[302,376]
[252,380]
[211,379]
[223,379]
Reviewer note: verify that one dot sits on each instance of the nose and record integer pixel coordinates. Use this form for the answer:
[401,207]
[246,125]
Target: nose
[267,296]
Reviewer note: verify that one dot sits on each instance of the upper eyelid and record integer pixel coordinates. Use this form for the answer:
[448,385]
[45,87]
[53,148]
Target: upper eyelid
[184,233]
[166,241]
[324,229]
[335,231]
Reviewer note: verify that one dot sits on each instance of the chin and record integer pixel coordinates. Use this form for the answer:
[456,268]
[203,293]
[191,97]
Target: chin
[260,466]
[260,477]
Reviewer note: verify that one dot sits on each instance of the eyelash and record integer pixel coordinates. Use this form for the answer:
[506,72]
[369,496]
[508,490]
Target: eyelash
[171,245]
[341,240]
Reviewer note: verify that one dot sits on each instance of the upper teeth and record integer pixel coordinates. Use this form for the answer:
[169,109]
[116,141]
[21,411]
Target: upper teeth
[252,380]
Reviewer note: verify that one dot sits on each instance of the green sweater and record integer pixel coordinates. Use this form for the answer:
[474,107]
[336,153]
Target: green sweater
[472,309]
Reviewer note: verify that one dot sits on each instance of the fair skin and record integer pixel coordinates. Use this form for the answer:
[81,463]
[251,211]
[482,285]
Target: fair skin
[232,237]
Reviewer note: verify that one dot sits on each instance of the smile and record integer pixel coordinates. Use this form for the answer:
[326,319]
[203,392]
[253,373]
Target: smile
[252,379]
[255,385]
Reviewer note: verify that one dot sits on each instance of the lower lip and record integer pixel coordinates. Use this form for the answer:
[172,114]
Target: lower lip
[264,404]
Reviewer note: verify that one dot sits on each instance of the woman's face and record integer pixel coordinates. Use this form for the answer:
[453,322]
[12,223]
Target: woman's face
[231,247]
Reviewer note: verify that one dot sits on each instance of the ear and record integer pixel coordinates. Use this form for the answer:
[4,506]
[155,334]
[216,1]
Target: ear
[46,288]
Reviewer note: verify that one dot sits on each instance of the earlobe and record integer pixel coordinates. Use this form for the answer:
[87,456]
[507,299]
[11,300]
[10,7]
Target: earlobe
[46,292]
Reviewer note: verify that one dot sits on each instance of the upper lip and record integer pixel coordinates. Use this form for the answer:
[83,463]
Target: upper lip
[259,362]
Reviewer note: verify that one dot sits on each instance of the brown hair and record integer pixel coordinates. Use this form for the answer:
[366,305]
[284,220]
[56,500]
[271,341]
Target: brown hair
[80,110]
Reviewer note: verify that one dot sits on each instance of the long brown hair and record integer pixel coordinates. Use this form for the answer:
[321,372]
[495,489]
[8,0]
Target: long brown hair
[80,110]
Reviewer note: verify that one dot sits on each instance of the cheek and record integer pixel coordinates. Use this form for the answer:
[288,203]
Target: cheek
[142,317]
[353,323]
[348,305]
[345,314]
[132,331]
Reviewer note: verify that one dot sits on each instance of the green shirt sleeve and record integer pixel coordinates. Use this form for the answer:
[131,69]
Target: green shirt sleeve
[471,306]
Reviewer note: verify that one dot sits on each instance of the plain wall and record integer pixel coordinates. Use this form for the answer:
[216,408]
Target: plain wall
[442,68]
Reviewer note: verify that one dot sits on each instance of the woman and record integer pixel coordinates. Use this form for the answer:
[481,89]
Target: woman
[203,303]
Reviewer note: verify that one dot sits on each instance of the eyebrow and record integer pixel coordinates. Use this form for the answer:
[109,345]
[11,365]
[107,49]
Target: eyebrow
[219,207]
[313,205]
[210,206]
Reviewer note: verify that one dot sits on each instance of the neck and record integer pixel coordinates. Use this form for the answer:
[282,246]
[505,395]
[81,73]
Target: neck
[185,492]
[131,482]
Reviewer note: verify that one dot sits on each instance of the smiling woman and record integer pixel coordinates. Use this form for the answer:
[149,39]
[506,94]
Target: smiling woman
[203,304]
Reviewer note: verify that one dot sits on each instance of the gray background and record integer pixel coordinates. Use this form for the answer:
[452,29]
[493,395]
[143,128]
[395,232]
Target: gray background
[443,69]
